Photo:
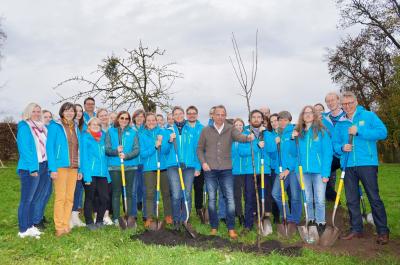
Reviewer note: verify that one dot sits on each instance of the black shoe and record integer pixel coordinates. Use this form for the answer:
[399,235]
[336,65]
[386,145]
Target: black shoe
[177,226]
[241,220]
[45,221]
[40,226]
[223,220]
[144,219]
[321,229]
[312,223]
[245,231]
[92,227]
[99,224]
[139,206]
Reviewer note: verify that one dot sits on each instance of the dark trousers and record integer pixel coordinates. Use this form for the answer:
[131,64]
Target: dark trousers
[198,188]
[275,210]
[330,193]
[368,175]
[97,188]
[239,193]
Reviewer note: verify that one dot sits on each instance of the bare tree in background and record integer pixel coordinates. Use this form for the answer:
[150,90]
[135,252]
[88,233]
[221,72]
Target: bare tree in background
[3,37]
[136,80]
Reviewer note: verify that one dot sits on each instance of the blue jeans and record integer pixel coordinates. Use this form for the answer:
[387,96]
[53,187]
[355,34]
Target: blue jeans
[221,205]
[368,175]
[313,182]
[224,180]
[25,210]
[48,192]
[39,199]
[78,194]
[138,189]
[295,204]
[177,202]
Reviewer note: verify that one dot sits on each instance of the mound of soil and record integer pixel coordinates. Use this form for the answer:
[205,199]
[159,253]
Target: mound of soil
[167,237]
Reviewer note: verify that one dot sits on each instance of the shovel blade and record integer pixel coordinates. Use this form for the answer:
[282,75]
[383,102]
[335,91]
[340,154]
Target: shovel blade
[266,228]
[282,231]
[123,222]
[206,216]
[190,230]
[131,223]
[329,237]
[156,226]
[310,235]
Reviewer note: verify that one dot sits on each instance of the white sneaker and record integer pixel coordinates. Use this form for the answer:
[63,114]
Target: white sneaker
[34,231]
[75,221]
[94,217]
[106,219]
[28,233]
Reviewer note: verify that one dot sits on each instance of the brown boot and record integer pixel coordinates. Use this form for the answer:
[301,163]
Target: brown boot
[168,220]
[60,233]
[148,223]
[382,239]
[232,234]
[213,232]
[131,222]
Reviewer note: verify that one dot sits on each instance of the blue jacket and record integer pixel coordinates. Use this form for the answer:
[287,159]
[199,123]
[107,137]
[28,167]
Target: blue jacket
[57,146]
[267,152]
[238,162]
[94,156]
[130,144]
[86,117]
[288,150]
[138,130]
[316,153]
[370,129]
[186,143]
[149,154]
[27,148]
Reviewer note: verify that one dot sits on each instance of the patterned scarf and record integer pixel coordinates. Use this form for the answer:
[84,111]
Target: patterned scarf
[40,135]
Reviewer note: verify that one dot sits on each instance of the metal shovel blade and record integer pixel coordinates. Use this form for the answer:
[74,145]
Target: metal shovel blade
[206,216]
[190,230]
[310,235]
[266,227]
[156,225]
[329,237]
[282,230]
[131,223]
[123,222]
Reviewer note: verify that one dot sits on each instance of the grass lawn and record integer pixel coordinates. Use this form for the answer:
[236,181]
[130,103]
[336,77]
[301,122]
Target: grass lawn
[111,246]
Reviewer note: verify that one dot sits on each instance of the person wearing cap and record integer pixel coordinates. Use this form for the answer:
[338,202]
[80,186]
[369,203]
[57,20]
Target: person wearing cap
[362,164]
[288,158]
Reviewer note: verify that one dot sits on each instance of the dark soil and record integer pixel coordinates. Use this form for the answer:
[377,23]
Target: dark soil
[167,237]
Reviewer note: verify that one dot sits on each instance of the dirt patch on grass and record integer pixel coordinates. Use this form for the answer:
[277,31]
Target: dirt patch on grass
[167,237]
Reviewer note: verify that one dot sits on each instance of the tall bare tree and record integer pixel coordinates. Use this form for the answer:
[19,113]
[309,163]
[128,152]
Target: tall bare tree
[3,37]
[137,80]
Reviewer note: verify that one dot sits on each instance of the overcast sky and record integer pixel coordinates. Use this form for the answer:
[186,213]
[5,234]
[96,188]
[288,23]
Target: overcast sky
[49,41]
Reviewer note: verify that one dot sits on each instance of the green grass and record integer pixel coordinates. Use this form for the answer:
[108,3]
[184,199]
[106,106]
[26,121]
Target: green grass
[111,246]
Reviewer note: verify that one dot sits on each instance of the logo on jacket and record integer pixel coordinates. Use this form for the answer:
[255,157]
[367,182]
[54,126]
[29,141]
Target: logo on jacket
[361,123]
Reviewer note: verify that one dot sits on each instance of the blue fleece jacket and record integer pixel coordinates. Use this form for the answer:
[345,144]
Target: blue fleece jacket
[27,148]
[130,144]
[288,150]
[316,152]
[370,129]
[94,156]
[148,153]
[57,146]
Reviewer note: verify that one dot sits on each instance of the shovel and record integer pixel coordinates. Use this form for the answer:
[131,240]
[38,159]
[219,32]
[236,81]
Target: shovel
[187,226]
[123,220]
[282,228]
[331,233]
[205,216]
[309,234]
[157,225]
[266,227]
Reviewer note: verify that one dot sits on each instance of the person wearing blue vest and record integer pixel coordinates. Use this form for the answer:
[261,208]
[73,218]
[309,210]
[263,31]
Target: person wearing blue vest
[95,173]
[238,173]
[263,148]
[288,158]
[90,106]
[138,200]
[63,157]
[122,143]
[329,120]
[154,148]
[362,164]
[32,169]
[315,150]
[186,144]
[78,194]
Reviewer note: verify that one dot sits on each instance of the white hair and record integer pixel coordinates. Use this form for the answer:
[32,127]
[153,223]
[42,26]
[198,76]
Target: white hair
[27,114]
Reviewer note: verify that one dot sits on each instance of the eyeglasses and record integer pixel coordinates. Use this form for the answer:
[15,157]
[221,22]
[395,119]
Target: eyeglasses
[348,103]
[124,118]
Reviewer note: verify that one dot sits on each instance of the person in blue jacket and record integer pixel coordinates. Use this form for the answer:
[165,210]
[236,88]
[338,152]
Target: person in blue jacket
[78,194]
[154,148]
[122,143]
[90,106]
[273,119]
[32,169]
[95,172]
[288,158]
[185,139]
[362,164]
[263,148]
[315,150]
[238,173]
[63,157]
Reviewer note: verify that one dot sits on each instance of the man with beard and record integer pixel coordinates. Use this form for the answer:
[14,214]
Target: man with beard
[263,147]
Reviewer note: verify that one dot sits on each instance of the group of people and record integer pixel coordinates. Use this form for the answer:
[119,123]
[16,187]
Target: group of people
[82,151]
